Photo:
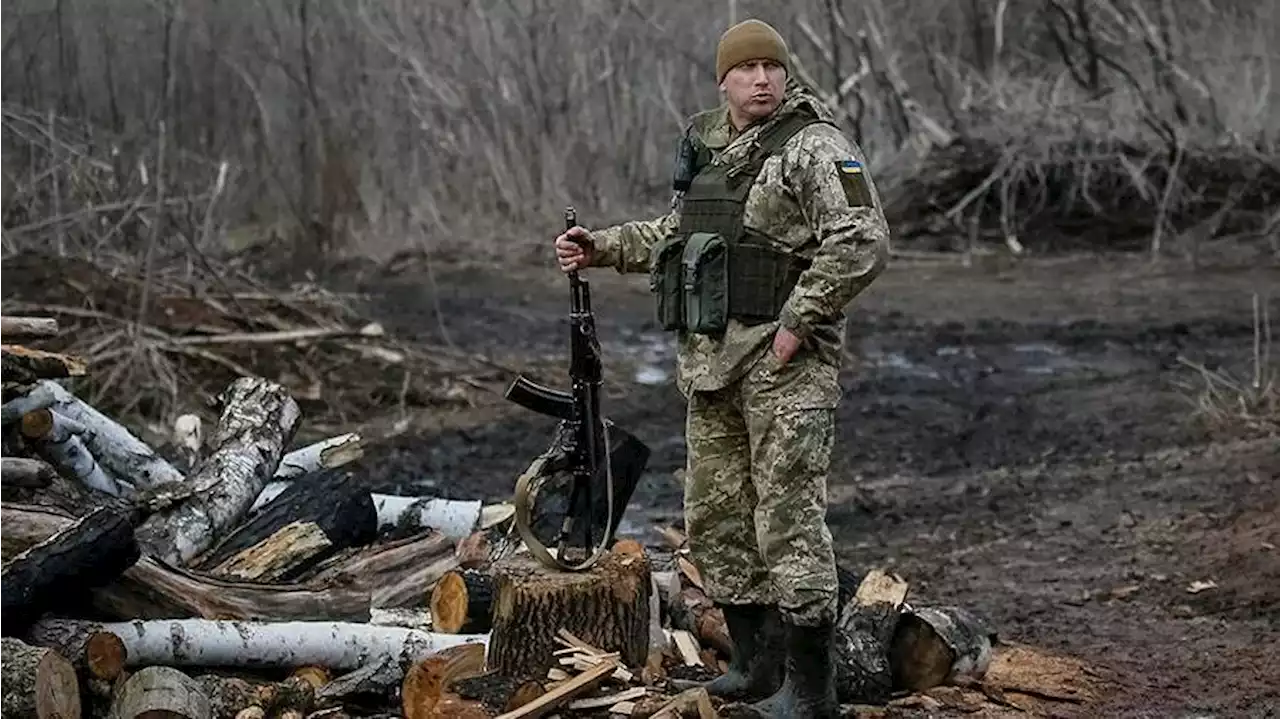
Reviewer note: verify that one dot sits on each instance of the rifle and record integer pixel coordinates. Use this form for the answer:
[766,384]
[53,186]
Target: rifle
[603,461]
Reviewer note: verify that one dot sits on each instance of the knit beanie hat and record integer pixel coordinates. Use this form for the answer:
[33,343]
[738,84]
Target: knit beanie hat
[749,40]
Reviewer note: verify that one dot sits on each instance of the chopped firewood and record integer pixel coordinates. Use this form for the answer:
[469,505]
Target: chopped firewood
[115,447]
[28,327]
[866,626]
[688,704]
[566,692]
[381,679]
[937,645]
[606,605]
[263,644]
[688,647]
[60,571]
[609,700]
[24,472]
[258,420]
[26,525]
[159,691]
[462,602]
[278,555]
[308,522]
[429,680]
[25,365]
[231,696]
[58,440]
[473,550]
[628,546]
[397,573]
[38,682]
[94,654]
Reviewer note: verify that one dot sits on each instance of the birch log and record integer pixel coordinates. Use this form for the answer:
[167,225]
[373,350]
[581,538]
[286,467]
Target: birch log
[455,517]
[25,472]
[326,454]
[40,396]
[59,440]
[274,645]
[119,451]
[37,683]
[866,626]
[936,645]
[258,420]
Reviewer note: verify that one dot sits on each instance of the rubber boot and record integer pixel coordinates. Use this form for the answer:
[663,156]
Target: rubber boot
[755,665]
[809,690]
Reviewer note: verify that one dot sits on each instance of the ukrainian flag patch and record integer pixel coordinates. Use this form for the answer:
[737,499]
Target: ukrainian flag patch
[854,182]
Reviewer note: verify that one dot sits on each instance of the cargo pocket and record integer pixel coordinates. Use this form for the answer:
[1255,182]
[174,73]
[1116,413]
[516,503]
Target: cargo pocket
[706,283]
[667,283]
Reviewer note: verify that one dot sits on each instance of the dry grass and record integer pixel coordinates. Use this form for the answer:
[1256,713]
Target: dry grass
[1227,402]
[369,127]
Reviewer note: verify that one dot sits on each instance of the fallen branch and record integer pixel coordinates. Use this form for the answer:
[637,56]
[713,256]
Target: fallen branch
[274,645]
[26,327]
[400,573]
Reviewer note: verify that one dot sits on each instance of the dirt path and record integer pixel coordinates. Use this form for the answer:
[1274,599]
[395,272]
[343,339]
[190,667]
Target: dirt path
[1013,442]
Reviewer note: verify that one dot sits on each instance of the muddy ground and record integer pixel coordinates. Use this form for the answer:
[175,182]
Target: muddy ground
[1011,440]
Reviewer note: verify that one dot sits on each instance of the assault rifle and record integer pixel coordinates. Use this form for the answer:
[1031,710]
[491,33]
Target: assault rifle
[598,461]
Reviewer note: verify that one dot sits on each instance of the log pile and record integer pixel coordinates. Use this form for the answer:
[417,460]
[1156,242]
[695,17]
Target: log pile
[247,577]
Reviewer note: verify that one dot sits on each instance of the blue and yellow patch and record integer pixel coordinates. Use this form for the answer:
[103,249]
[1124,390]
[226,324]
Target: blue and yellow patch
[854,182]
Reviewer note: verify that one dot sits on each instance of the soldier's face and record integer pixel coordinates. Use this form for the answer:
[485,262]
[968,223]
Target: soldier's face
[754,88]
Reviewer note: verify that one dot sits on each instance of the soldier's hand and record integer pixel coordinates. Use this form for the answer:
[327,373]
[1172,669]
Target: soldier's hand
[575,249]
[785,344]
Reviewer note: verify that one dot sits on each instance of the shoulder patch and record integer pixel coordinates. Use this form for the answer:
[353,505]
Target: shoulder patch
[854,182]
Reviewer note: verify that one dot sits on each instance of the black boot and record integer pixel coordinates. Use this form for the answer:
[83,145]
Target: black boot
[755,667]
[809,691]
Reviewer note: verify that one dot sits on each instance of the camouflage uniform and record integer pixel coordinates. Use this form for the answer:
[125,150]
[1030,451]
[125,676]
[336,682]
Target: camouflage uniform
[760,433]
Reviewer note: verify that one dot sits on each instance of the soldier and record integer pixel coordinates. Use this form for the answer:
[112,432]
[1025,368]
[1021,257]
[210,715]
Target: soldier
[777,229]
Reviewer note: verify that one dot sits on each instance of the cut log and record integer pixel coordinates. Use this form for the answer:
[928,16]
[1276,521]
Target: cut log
[36,682]
[155,692]
[59,441]
[40,396]
[28,327]
[455,518]
[377,681]
[152,589]
[258,420]
[462,602]
[58,573]
[607,606]
[24,472]
[233,696]
[114,446]
[939,645]
[398,573]
[25,365]
[326,454]
[865,628]
[307,523]
[94,654]
[273,645]
[498,692]
[429,680]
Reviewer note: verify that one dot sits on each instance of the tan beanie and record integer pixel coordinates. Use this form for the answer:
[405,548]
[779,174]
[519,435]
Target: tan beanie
[749,40]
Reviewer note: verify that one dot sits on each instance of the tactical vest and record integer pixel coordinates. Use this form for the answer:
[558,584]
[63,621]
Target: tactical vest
[712,268]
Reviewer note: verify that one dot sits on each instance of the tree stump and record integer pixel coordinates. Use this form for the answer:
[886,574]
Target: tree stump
[606,606]
[39,683]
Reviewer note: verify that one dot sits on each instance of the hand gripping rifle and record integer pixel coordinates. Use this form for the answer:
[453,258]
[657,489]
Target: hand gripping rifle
[601,462]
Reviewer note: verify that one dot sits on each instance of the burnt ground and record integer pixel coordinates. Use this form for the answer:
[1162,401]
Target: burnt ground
[1014,441]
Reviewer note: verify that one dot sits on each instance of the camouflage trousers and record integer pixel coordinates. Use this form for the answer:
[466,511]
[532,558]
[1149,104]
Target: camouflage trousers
[755,495]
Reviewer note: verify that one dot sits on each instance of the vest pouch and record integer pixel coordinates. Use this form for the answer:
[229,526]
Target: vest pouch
[666,282]
[706,283]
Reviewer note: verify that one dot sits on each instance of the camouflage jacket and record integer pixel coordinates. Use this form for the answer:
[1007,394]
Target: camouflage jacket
[799,202]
